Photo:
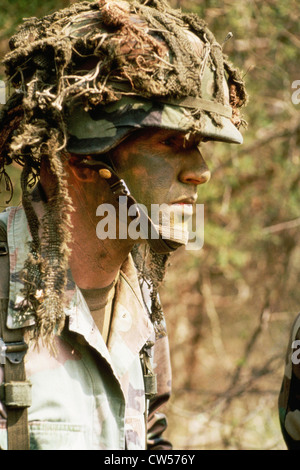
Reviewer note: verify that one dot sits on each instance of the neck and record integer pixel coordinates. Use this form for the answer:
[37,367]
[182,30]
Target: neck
[94,263]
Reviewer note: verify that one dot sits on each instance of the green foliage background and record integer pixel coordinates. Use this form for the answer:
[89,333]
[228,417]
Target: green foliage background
[230,305]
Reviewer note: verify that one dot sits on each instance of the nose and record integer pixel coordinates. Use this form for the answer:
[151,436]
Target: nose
[194,169]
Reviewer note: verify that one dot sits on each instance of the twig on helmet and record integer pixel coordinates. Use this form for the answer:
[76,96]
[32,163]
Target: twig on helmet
[81,81]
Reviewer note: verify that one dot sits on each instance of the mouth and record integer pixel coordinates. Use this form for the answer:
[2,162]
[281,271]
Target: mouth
[184,205]
[185,200]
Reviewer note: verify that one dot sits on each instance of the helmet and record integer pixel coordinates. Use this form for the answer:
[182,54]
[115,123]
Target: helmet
[100,70]
[204,106]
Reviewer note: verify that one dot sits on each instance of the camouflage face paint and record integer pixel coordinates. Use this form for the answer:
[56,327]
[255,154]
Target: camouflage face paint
[162,168]
[159,166]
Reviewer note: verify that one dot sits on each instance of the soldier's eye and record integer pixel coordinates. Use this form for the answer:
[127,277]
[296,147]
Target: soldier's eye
[167,142]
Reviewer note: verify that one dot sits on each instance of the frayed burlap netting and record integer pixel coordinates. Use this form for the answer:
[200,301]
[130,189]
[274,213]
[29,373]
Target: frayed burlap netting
[81,51]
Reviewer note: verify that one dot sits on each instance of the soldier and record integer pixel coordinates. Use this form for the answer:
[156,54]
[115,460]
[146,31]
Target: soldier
[113,100]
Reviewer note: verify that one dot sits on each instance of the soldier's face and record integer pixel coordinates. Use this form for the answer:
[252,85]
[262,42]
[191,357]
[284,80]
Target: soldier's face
[161,167]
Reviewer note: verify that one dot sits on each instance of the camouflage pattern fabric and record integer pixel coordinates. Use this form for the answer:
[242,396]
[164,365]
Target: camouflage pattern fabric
[289,398]
[98,130]
[89,396]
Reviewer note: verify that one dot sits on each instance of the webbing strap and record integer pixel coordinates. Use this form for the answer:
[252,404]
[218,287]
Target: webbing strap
[14,374]
[191,102]
[201,103]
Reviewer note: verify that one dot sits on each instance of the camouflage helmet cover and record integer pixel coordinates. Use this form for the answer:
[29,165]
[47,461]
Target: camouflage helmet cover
[99,129]
[88,75]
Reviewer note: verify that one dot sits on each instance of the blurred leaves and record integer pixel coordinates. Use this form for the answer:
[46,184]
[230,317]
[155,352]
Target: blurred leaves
[13,11]
[236,299]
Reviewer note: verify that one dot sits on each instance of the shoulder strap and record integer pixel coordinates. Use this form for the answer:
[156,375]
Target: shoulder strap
[15,391]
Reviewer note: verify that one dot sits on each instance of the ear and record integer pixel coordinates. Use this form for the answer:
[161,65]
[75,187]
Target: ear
[82,174]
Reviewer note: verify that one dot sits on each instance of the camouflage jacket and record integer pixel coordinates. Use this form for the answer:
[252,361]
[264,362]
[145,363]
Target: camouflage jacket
[289,398]
[90,396]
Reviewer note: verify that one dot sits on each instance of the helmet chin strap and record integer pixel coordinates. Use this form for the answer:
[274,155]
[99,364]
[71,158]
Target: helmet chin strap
[153,234]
